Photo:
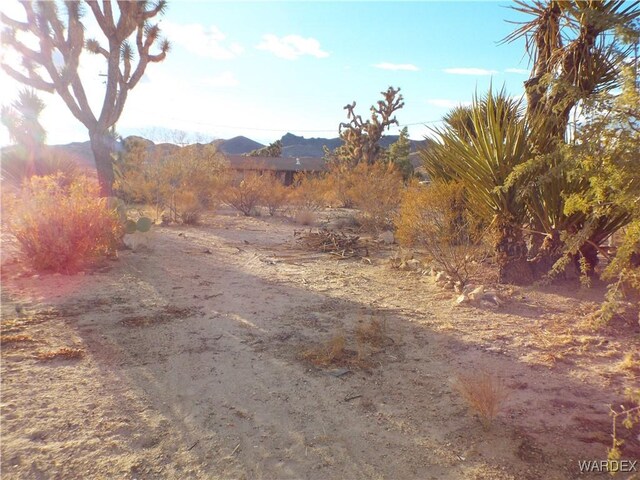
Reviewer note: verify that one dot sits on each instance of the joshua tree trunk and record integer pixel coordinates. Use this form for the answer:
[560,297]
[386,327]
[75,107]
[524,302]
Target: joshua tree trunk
[102,148]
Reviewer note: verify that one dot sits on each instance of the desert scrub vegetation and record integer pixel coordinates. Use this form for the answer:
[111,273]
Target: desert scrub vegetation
[484,394]
[309,193]
[274,193]
[64,353]
[356,350]
[630,416]
[375,191]
[180,185]
[244,194]
[63,228]
[435,218]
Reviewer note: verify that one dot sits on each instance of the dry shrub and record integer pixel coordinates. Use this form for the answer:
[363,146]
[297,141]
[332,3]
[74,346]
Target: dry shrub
[305,217]
[244,194]
[310,192]
[484,393]
[333,352]
[629,413]
[66,353]
[435,218]
[181,185]
[340,182]
[630,364]
[376,192]
[373,332]
[274,193]
[370,338]
[367,338]
[188,207]
[63,228]
[14,339]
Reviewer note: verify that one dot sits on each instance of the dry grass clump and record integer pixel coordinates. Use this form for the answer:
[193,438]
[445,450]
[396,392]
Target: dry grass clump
[332,352]
[337,352]
[484,393]
[305,217]
[167,314]
[15,339]
[373,332]
[65,353]
[630,364]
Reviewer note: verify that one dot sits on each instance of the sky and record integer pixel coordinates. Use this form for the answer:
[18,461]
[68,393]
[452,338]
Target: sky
[262,69]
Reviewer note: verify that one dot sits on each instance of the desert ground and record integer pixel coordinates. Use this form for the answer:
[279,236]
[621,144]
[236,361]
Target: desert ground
[190,359]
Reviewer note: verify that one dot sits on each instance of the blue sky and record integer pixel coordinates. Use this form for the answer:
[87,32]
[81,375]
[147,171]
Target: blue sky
[267,68]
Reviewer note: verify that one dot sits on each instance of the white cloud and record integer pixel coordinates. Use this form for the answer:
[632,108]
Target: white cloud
[522,71]
[470,71]
[225,79]
[202,41]
[291,47]
[446,103]
[397,66]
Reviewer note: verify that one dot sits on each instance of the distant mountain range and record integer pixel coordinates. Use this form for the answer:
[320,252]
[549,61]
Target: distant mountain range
[292,146]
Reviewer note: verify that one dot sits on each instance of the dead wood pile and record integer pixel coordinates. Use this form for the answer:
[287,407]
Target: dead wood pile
[336,243]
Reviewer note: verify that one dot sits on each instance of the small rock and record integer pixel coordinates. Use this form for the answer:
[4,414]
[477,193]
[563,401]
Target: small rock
[386,237]
[492,298]
[413,264]
[442,277]
[476,293]
[462,299]
[468,288]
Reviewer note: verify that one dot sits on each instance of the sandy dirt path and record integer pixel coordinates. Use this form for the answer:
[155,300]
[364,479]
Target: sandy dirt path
[192,368]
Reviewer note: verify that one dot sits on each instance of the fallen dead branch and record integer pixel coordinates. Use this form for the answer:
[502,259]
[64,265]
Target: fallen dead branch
[335,243]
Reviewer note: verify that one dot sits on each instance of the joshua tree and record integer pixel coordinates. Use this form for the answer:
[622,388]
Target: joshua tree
[398,154]
[62,36]
[22,120]
[272,150]
[362,139]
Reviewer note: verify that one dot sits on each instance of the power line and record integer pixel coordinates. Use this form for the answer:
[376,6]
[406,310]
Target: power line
[259,129]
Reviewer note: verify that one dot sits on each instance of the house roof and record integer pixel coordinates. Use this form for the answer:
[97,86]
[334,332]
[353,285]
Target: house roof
[291,164]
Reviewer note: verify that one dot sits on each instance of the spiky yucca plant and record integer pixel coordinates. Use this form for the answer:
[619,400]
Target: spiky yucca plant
[481,151]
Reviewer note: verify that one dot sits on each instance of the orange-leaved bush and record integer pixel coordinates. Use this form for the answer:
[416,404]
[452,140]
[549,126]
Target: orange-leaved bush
[63,228]
[376,191]
[309,193]
[435,218]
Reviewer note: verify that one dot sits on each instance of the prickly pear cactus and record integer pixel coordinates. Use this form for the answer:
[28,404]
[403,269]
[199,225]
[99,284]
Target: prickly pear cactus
[143,224]
[130,227]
